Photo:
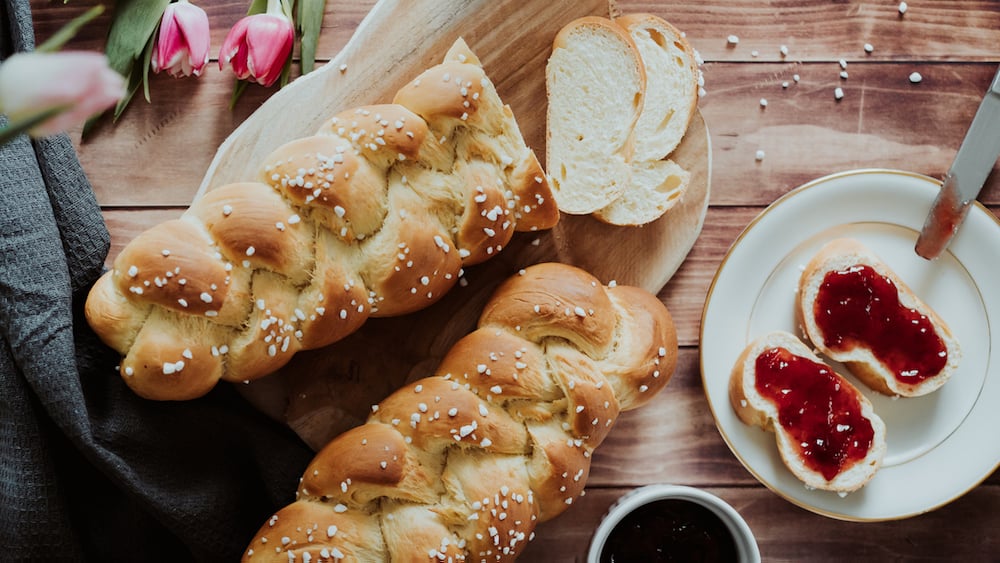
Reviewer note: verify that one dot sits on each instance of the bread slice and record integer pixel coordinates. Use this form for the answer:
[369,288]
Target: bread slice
[670,99]
[612,120]
[655,186]
[834,418]
[671,85]
[594,81]
[894,355]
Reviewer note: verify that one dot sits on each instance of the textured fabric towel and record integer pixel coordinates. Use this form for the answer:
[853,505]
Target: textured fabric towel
[88,470]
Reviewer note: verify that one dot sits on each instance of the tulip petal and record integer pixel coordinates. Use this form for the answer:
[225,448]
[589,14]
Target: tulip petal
[192,22]
[241,65]
[257,47]
[234,41]
[167,44]
[270,41]
[182,41]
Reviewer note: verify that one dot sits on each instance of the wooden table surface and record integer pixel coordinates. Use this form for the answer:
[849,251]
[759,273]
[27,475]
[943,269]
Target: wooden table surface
[147,167]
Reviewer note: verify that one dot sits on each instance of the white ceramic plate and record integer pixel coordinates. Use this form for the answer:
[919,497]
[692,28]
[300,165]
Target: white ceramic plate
[940,445]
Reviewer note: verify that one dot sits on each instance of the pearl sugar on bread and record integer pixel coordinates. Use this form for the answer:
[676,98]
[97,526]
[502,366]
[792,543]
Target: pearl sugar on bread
[464,464]
[375,214]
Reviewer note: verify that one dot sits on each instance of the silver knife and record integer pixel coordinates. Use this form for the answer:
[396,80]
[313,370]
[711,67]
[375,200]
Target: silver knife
[965,178]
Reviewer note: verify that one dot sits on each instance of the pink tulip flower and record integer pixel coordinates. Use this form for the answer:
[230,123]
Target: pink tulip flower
[79,84]
[258,46]
[183,40]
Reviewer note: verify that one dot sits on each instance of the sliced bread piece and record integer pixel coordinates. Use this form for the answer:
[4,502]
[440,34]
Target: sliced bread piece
[856,310]
[654,187]
[671,85]
[670,101]
[827,432]
[594,83]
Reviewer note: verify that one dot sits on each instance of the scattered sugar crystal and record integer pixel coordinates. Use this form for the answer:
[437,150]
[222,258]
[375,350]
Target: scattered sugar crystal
[915,77]
[838,93]
[733,40]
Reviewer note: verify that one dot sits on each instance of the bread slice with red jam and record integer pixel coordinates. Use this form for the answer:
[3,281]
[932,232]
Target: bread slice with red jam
[856,310]
[827,433]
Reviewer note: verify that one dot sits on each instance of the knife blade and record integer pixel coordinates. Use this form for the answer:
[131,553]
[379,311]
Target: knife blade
[973,163]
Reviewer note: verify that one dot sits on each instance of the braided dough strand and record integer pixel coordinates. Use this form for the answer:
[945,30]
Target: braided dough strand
[462,465]
[374,215]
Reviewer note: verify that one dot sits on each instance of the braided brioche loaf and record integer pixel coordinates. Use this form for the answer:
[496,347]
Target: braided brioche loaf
[460,466]
[374,215]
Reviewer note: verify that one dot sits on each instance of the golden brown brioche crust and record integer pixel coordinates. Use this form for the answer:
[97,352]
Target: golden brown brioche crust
[463,464]
[373,215]
[327,535]
[543,301]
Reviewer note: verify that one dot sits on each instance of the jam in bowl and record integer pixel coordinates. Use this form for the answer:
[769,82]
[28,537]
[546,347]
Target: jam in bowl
[659,523]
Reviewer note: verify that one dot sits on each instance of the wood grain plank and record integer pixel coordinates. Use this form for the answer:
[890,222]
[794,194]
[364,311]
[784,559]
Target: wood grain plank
[164,146]
[961,531]
[883,121]
[685,294]
[931,30]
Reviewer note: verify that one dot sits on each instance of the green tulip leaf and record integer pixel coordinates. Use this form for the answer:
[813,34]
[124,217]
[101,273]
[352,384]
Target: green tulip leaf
[310,22]
[134,24]
[147,59]
[130,42]
[257,7]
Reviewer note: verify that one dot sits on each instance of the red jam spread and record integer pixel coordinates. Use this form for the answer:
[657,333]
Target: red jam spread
[670,530]
[858,306]
[822,417]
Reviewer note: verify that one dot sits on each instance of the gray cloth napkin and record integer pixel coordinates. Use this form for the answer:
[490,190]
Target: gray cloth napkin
[88,470]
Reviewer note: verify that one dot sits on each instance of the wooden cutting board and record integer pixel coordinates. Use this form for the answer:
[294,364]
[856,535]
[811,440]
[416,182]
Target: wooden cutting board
[321,393]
